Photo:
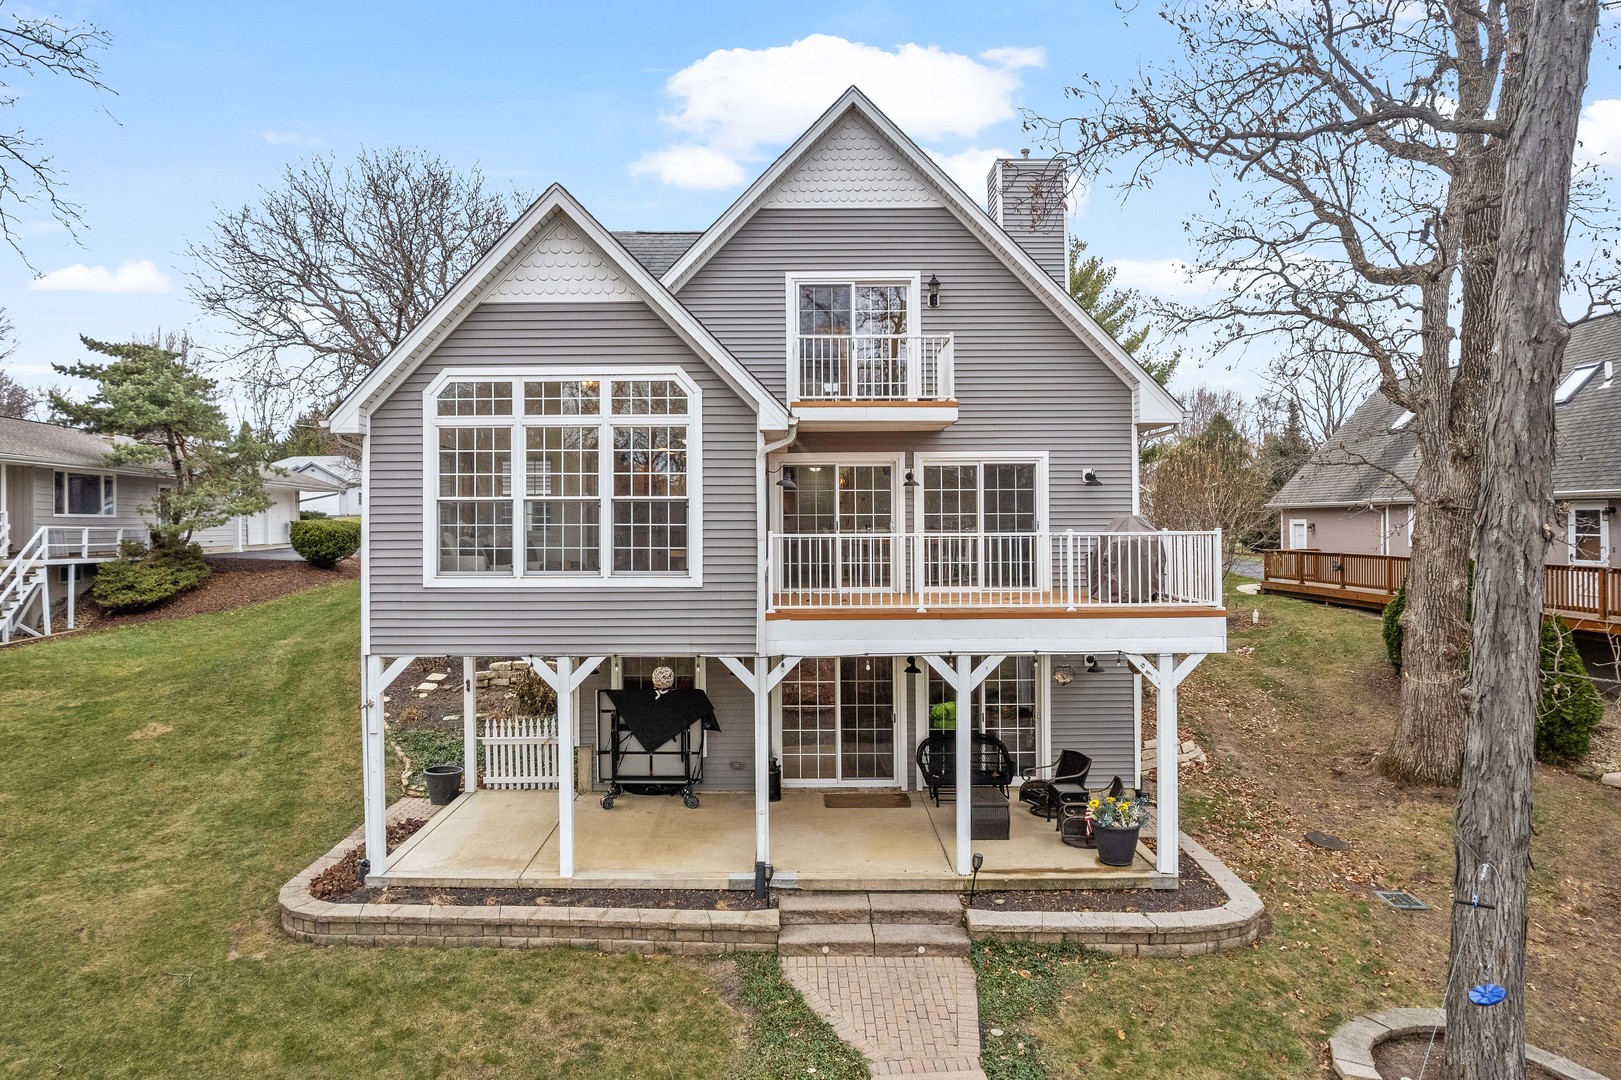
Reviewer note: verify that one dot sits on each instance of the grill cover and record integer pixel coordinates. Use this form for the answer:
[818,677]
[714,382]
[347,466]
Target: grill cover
[655,720]
[1129,571]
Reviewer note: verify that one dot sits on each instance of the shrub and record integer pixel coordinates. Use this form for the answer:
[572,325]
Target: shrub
[313,515]
[1571,705]
[325,542]
[1390,626]
[533,696]
[131,583]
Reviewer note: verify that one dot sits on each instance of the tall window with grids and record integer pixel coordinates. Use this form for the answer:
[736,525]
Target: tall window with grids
[853,339]
[980,524]
[605,466]
[1006,706]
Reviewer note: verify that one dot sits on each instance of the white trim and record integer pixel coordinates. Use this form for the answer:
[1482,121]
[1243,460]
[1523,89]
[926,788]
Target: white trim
[835,459]
[912,279]
[516,421]
[1305,533]
[449,312]
[69,470]
[1152,404]
[1041,459]
[1603,533]
[898,730]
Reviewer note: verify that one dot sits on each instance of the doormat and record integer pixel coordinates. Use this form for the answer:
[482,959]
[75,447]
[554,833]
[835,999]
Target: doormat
[866,800]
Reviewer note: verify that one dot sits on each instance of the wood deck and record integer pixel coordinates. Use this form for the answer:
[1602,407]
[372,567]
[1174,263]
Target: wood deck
[1015,605]
[1588,598]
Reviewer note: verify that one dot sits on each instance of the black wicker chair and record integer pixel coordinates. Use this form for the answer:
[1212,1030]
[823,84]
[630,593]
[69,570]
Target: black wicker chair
[990,764]
[1040,788]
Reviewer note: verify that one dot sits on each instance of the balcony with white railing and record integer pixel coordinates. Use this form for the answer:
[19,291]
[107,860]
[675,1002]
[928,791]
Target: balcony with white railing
[995,574]
[849,381]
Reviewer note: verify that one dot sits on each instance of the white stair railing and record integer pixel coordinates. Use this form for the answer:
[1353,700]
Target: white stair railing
[26,578]
[5,534]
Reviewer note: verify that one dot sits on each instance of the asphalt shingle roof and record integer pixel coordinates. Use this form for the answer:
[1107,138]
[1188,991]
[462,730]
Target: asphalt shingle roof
[657,251]
[50,444]
[1355,465]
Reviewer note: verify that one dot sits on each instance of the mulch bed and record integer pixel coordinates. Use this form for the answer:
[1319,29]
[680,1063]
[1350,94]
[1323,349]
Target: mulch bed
[343,877]
[1197,892]
[233,583]
[684,899]
[1403,1057]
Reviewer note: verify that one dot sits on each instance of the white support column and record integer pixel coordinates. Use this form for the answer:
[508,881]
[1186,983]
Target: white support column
[762,756]
[565,766]
[45,594]
[965,783]
[1168,744]
[73,590]
[469,724]
[371,750]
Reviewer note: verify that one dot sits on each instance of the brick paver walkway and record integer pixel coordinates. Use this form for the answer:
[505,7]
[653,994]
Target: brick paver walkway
[909,1016]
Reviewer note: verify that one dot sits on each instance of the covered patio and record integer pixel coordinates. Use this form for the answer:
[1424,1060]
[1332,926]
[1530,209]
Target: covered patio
[509,839]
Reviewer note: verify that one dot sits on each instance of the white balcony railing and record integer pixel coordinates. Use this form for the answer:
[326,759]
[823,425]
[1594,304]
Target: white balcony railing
[921,571]
[871,367]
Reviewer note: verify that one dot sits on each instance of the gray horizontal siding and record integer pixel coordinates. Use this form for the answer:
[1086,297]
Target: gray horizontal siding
[1024,380]
[1096,715]
[129,494]
[408,618]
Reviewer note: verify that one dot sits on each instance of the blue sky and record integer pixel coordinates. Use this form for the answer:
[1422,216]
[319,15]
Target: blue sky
[213,99]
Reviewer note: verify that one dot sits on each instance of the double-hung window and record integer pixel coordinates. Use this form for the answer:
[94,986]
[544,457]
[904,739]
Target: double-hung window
[606,465]
[79,494]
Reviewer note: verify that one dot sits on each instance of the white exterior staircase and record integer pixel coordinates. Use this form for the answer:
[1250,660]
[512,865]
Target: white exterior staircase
[25,579]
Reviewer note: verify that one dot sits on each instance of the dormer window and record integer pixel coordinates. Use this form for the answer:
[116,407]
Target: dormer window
[607,490]
[1572,383]
[1401,422]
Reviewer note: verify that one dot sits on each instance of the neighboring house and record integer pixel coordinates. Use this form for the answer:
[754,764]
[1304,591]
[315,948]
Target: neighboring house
[63,508]
[1351,496]
[847,454]
[331,470]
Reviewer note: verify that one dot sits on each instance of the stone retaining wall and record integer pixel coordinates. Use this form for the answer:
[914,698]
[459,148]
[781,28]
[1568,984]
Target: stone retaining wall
[1125,933]
[1350,1049]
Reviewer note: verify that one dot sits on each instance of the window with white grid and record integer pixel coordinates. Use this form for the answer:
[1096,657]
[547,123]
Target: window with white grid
[810,720]
[1005,706]
[606,467]
[636,672]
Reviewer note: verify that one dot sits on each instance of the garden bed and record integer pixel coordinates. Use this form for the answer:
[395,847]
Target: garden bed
[1195,891]
[233,583]
[1398,1059]
[667,899]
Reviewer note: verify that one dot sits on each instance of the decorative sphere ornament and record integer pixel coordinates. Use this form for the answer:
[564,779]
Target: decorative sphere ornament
[663,678]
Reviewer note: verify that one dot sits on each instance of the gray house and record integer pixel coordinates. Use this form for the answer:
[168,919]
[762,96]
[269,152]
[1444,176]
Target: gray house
[850,460]
[1351,497]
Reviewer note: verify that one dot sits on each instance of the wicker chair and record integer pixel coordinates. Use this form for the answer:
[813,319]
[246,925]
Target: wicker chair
[1041,791]
[989,763]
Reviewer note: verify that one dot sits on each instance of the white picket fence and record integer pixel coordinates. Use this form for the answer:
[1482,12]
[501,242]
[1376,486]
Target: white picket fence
[519,752]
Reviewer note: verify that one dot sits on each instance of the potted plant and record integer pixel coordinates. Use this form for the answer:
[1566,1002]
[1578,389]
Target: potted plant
[1116,823]
[943,717]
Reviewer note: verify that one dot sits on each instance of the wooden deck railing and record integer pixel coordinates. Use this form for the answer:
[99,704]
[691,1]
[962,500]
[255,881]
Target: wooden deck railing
[1586,594]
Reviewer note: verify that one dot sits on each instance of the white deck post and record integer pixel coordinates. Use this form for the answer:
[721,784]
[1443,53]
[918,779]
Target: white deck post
[1167,745]
[762,756]
[374,785]
[73,582]
[965,773]
[565,766]
[469,724]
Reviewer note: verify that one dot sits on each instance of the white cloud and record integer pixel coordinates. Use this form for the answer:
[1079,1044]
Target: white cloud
[1162,277]
[691,166]
[289,138]
[738,103]
[131,277]
[970,167]
[1599,134]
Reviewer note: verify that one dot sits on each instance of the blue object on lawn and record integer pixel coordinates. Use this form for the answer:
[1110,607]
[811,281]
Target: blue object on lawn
[1487,994]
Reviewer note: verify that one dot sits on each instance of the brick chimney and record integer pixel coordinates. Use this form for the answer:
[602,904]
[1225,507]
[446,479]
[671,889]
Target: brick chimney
[1025,196]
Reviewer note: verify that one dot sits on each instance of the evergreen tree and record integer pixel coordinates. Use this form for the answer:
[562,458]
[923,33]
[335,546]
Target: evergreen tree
[166,413]
[1091,283]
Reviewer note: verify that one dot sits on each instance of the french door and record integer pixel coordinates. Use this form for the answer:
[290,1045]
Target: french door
[837,717]
[838,522]
[981,523]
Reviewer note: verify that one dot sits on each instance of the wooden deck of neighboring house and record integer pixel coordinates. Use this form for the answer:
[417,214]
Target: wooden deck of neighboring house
[1586,597]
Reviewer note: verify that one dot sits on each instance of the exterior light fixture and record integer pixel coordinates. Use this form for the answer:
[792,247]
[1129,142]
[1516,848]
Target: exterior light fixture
[934,291]
[911,666]
[786,481]
[911,480]
[1090,477]
[1092,665]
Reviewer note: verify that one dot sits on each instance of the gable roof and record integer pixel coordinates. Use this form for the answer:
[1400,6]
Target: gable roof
[1362,461]
[556,204]
[334,468]
[1152,403]
[34,442]
[657,251]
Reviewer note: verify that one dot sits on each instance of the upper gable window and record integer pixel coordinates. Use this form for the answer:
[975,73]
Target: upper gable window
[609,480]
[1572,383]
[1401,422]
[476,399]
[855,309]
[855,338]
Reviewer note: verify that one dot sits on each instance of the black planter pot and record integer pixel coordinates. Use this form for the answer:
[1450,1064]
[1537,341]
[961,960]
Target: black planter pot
[774,782]
[1116,847]
[444,781]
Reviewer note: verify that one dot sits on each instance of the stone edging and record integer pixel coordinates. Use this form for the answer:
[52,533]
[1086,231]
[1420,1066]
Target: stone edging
[691,933]
[1127,933]
[1350,1049]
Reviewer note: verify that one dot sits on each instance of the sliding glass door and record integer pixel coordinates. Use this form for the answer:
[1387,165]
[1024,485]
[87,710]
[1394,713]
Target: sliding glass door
[838,720]
[838,522]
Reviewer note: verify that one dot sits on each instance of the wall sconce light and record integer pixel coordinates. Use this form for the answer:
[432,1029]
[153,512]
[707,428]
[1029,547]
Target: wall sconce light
[934,291]
[1311,526]
[786,480]
[1090,476]
[1063,675]
[911,666]
[1092,665]
[911,480]
[1609,510]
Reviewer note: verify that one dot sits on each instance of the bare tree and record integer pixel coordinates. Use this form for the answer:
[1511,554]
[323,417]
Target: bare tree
[1213,477]
[1324,382]
[1553,41]
[328,272]
[40,45]
[1365,137]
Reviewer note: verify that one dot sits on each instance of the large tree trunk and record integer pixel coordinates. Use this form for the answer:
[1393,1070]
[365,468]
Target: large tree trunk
[1554,43]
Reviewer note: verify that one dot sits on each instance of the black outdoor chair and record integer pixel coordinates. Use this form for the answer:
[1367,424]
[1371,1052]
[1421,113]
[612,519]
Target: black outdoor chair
[1042,791]
[989,763]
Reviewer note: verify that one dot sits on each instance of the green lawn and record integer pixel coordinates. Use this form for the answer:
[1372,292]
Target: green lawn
[165,779]
[1293,715]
